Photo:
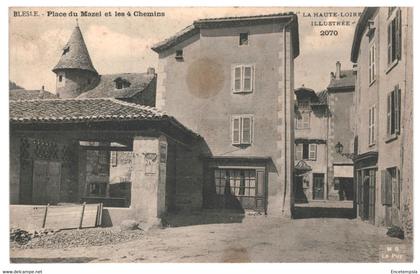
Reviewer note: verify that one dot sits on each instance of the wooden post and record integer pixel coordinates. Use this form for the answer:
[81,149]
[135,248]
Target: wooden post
[83,213]
[45,216]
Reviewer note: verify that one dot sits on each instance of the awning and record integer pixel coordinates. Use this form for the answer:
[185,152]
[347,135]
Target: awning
[343,171]
[302,167]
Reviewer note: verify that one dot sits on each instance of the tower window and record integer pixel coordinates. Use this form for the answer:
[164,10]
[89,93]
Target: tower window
[243,39]
[179,54]
[66,49]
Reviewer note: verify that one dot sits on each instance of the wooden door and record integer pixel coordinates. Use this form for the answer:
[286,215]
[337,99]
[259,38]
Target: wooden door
[46,182]
[318,186]
[25,186]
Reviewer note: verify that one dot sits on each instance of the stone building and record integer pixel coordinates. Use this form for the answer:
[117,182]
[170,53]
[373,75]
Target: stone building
[340,134]
[231,81]
[311,151]
[382,49]
[324,136]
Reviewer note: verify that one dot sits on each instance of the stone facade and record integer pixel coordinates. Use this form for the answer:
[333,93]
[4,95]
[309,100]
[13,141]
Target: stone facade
[197,89]
[389,90]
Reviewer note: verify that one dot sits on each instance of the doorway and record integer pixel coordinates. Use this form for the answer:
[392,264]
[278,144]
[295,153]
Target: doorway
[318,186]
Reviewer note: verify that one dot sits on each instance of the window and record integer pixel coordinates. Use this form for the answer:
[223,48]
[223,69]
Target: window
[391,187]
[242,129]
[394,38]
[60,78]
[372,121]
[243,39]
[179,54]
[242,78]
[121,83]
[237,182]
[306,152]
[304,121]
[393,112]
[372,58]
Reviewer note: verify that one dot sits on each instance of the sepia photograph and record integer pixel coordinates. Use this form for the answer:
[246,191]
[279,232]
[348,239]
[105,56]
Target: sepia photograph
[210,135]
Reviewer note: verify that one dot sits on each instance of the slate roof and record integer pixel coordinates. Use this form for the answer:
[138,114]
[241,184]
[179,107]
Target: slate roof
[75,54]
[106,87]
[347,80]
[232,22]
[322,98]
[23,94]
[80,110]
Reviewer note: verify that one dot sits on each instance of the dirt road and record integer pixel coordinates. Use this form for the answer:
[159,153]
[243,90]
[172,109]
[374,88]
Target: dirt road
[253,239]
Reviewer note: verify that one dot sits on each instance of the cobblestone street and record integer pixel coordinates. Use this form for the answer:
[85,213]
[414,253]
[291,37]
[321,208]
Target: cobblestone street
[251,239]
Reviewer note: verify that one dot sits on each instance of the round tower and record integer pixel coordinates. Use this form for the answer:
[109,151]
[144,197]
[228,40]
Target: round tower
[75,71]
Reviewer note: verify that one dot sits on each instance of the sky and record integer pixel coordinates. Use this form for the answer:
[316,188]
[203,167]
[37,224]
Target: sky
[122,44]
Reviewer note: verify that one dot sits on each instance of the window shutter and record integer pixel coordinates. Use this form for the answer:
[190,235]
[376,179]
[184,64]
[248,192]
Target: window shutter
[390,43]
[237,76]
[398,42]
[246,130]
[312,152]
[388,188]
[398,186]
[299,151]
[235,130]
[383,186]
[370,126]
[388,114]
[247,78]
[397,106]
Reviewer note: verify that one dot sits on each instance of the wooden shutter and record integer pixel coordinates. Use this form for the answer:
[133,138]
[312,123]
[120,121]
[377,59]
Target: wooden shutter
[388,188]
[370,126]
[398,41]
[299,151]
[246,132]
[247,78]
[312,152]
[236,130]
[383,186]
[397,108]
[388,114]
[398,187]
[306,119]
[237,78]
[390,43]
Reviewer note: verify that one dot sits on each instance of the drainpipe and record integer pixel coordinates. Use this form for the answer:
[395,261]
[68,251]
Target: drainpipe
[285,110]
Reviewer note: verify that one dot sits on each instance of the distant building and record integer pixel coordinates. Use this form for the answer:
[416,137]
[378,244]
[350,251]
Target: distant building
[340,134]
[231,81]
[382,49]
[76,77]
[311,149]
[324,137]
[24,94]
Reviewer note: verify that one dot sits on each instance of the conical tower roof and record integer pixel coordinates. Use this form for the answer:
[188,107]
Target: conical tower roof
[75,54]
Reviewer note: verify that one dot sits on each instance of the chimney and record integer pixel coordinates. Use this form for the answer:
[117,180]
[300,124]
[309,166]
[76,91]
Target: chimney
[150,70]
[42,88]
[332,76]
[338,70]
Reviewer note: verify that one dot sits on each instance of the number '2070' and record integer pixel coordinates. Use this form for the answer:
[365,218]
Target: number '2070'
[328,33]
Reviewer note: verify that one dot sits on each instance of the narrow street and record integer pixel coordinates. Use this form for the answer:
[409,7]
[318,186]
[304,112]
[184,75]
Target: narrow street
[255,238]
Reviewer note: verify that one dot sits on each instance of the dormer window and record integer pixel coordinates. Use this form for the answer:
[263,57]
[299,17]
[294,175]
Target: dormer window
[66,49]
[179,54]
[243,39]
[121,83]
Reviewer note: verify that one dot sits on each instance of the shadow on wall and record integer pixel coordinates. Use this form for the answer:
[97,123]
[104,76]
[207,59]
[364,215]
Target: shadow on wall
[203,217]
[322,212]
